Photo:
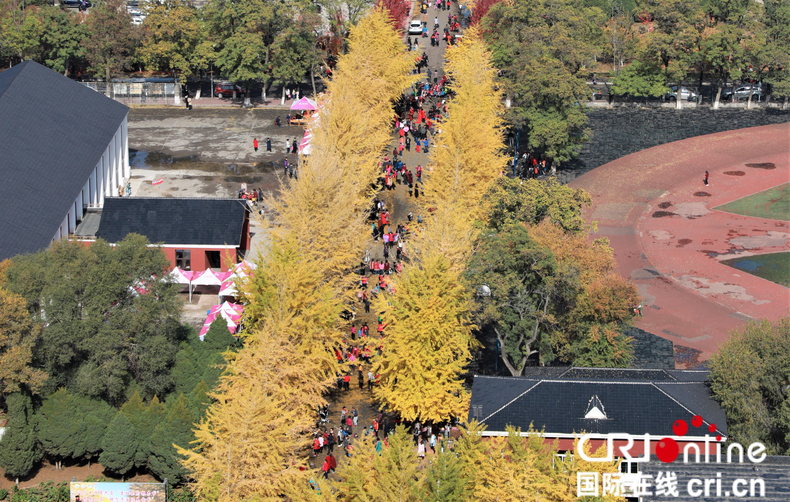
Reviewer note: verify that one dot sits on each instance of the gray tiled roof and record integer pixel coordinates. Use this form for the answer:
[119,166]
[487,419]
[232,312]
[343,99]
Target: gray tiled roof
[208,222]
[634,401]
[53,131]
[774,471]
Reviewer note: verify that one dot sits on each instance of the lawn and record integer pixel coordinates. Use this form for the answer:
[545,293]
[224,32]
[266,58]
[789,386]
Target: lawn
[773,204]
[774,267]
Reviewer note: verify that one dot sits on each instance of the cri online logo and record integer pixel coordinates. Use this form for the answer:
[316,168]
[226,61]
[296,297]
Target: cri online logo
[667,449]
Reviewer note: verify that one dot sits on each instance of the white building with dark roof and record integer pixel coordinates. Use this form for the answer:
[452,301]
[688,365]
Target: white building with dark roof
[63,149]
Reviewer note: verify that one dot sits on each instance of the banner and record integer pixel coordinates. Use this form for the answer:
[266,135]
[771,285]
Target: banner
[160,180]
[118,492]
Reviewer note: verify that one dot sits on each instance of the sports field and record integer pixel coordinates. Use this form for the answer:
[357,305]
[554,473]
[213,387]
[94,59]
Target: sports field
[774,267]
[773,204]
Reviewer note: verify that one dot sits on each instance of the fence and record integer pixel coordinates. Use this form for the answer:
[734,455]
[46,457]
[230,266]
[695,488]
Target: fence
[137,93]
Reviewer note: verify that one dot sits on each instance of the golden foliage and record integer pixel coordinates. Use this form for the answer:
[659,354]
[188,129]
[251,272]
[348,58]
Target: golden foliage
[466,158]
[428,342]
[429,332]
[247,445]
[18,335]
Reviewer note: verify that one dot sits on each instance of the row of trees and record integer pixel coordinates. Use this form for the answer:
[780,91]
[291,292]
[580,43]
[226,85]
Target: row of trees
[429,333]
[547,50]
[251,443]
[511,467]
[252,41]
[82,354]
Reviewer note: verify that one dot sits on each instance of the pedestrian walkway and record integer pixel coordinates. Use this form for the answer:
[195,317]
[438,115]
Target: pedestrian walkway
[398,203]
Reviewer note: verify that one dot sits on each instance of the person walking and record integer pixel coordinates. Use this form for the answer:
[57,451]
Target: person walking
[268,144]
[706,178]
[293,146]
[255,144]
[354,412]
[277,121]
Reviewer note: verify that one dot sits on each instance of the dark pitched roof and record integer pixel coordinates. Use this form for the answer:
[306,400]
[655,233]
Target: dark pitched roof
[634,401]
[774,471]
[208,222]
[54,131]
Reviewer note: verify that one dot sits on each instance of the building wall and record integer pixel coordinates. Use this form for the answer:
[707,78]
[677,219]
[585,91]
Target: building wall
[111,170]
[198,262]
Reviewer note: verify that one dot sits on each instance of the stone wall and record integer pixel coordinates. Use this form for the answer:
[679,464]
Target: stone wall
[622,131]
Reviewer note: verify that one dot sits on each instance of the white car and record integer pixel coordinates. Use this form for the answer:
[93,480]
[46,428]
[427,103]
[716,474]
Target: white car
[415,27]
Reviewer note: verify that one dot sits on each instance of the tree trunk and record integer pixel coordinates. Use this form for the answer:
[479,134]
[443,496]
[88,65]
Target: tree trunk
[248,98]
[751,93]
[312,78]
[282,101]
[784,105]
[679,98]
[107,79]
[699,86]
[718,97]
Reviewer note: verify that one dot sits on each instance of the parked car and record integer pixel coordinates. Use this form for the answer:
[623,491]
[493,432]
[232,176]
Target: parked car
[743,92]
[415,27]
[685,93]
[226,89]
[137,20]
[75,4]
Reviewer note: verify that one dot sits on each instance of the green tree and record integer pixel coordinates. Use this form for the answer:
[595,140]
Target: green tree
[675,42]
[144,419]
[174,39]
[100,334]
[19,453]
[176,428]
[750,378]
[530,202]
[20,30]
[119,445]
[58,427]
[543,49]
[294,53]
[244,33]
[640,79]
[111,38]
[95,416]
[777,24]
[61,39]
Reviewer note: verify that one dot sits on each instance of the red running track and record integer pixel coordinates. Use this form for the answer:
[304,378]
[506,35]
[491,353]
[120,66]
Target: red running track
[691,298]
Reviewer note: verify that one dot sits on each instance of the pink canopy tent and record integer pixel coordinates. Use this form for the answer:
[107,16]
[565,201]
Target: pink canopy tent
[306,146]
[230,312]
[228,288]
[305,104]
[206,278]
[180,276]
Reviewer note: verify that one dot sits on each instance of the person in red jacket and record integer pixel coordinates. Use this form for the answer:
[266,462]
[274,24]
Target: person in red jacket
[255,144]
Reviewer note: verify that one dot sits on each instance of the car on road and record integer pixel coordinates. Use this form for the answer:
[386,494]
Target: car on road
[415,27]
[75,4]
[225,89]
[742,92]
[685,93]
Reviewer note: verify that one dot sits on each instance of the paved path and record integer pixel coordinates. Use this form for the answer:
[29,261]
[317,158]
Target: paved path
[399,204]
[690,297]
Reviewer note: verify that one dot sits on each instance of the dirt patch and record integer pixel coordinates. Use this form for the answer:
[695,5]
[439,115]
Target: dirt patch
[735,173]
[701,194]
[684,242]
[664,205]
[762,165]
[661,214]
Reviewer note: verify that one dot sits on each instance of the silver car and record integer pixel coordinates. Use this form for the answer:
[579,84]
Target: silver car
[685,93]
